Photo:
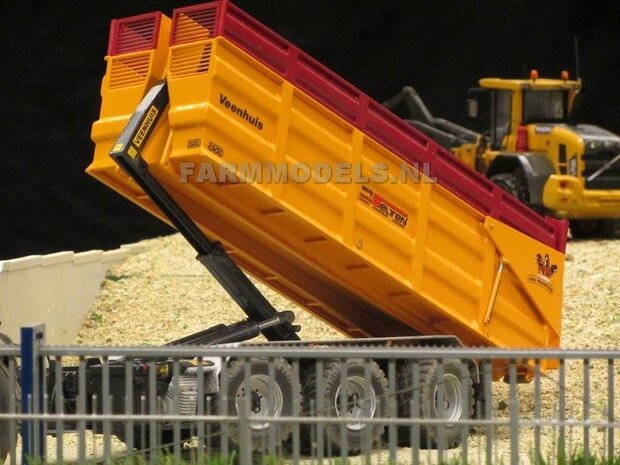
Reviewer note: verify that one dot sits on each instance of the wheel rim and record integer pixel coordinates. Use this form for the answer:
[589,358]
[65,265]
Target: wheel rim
[266,400]
[447,397]
[361,401]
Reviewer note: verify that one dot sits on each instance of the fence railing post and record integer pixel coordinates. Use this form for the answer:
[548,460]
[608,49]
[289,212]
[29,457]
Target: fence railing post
[32,384]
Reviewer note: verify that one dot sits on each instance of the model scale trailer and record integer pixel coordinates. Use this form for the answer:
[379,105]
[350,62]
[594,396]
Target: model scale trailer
[443,257]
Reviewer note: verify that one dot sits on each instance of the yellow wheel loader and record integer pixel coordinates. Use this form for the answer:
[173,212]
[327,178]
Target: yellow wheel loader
[526,145]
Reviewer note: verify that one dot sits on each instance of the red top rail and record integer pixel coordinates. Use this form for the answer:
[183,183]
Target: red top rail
[222,18]
[134,34]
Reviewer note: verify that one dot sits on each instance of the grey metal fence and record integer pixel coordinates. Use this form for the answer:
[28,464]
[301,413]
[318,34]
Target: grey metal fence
[306,404]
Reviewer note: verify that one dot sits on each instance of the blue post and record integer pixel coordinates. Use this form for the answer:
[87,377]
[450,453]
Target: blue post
[32,381]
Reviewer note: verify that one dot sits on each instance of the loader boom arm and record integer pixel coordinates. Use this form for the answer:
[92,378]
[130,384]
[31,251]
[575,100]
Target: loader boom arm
[444,132]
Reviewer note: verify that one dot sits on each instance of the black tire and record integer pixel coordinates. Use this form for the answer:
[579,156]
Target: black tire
[142,437]
[514,183]
[5,437]
[375,404]
[454,382]
[262,387]
[586,229]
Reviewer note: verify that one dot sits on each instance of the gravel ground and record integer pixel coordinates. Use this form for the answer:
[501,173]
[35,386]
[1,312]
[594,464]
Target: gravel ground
[163,293]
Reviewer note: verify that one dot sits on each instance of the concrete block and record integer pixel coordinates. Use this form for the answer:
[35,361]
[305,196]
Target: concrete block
[56,289]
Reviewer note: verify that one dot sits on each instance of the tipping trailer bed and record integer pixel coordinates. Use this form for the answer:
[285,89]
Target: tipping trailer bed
[368,248]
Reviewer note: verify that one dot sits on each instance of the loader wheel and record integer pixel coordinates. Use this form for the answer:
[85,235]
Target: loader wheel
[268,397]
[514,183]
[348,391]
[586,229]
[440,398]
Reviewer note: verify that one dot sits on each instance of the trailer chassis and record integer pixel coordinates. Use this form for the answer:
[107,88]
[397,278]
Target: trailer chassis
[263,318]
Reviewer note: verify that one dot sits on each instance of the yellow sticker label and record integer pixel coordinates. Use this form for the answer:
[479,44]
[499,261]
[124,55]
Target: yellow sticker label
[132,152]
[118,148]
[146,125]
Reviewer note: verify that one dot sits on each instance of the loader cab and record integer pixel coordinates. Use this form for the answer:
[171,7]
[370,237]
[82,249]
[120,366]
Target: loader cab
[506,107]
[490,111]
[544,106]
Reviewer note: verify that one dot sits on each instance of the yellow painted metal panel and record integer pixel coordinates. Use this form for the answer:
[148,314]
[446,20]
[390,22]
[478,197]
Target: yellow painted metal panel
[366,250]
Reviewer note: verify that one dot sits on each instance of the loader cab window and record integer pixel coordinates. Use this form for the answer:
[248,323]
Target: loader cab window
[544,106]
[500,124]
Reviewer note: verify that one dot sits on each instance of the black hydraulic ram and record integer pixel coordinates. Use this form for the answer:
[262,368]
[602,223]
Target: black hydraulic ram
[126,152]
[236,332]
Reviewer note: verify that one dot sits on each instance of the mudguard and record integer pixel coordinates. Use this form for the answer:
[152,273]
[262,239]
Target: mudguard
[536,166]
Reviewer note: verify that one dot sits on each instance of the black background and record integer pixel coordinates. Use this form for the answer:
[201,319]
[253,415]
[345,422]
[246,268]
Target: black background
[52,65]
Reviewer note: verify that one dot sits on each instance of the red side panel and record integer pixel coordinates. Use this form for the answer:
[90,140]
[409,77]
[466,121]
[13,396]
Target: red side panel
[221,18]
[194,23]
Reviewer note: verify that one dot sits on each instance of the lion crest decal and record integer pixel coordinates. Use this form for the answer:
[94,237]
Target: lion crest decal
[546,270]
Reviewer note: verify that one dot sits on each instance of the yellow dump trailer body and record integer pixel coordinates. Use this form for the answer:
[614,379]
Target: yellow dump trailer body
[319,210]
